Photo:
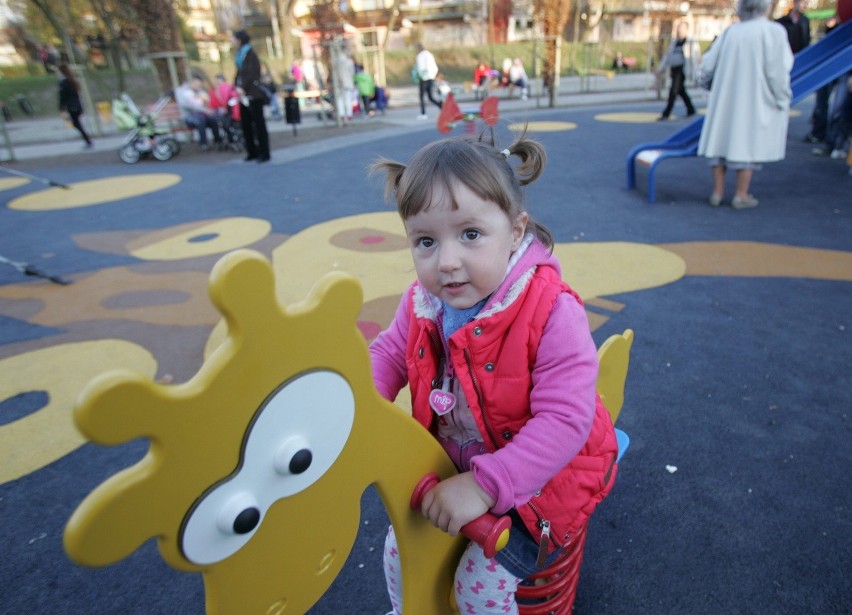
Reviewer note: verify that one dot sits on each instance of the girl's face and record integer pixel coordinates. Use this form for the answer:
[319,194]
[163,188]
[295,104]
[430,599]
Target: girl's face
[461,255]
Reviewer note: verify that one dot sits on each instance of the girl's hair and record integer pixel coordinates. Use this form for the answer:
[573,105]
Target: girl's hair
[750,9]
[66,72]
[478,164]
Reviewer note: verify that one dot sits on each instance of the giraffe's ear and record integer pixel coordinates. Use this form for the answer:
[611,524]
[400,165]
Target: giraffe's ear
[338,296]
[241,283]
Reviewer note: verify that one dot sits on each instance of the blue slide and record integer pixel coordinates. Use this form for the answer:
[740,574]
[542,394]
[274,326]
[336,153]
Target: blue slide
[813,67]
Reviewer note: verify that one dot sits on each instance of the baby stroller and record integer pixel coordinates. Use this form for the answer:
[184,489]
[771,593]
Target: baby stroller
[144,137]
[229,126]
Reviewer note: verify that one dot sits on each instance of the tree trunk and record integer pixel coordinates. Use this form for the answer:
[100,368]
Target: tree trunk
[114,44]
[553,15]
[286,15]
[159,23]
[57,24]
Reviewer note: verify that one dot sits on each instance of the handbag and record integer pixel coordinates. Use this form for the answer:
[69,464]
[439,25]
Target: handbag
[267,93]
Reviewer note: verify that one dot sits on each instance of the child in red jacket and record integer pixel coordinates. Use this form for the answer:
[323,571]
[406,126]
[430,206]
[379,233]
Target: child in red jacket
[502,367]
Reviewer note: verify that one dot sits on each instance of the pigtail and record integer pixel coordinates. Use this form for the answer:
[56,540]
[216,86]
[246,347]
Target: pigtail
[394,171]
[533,158]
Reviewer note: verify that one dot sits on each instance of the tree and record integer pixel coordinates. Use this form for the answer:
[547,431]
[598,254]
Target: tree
[108,17]
[286,19]
[553,16]
[329,21]
[502,13]
[50,11]
[160,27]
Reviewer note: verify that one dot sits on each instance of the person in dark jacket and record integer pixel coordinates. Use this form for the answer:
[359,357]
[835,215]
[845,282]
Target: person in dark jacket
[69,101]
[798,27]
[252,99]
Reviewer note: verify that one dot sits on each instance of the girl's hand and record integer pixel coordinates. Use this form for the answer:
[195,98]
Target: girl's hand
[454,502]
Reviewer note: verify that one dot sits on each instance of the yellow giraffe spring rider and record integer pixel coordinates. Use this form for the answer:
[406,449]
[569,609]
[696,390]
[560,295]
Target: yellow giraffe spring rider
[245,457]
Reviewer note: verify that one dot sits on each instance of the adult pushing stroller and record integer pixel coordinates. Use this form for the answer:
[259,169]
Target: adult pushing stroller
[144,137]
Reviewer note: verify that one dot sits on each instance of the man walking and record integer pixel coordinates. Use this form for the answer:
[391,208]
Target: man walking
[427,70]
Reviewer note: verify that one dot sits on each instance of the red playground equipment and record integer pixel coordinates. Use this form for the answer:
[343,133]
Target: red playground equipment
[451,114]
[491,532]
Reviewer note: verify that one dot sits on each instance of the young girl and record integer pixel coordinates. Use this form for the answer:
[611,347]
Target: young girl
[490,323]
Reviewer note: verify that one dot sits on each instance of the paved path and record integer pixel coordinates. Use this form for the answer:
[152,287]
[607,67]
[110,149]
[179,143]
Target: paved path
[42,138]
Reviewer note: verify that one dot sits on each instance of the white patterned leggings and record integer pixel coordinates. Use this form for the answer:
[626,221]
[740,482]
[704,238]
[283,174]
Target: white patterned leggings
[482,586]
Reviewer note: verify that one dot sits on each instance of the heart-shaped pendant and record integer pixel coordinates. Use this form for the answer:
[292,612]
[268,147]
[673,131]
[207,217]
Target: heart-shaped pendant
[442,402]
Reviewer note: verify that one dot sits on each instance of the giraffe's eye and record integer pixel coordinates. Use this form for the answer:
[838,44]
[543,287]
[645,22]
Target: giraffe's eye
[296,436]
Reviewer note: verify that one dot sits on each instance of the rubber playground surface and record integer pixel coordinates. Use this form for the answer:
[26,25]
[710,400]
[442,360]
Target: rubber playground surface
[734,495]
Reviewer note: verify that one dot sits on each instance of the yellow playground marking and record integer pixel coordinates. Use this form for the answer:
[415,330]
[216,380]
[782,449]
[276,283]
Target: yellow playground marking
[636,117]
[544,126]
[627,117]
[32,442]
[95,192]
[7,183]
[200,239]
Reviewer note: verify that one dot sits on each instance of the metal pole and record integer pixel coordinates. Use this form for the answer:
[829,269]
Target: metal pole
[334,57]
[6,139]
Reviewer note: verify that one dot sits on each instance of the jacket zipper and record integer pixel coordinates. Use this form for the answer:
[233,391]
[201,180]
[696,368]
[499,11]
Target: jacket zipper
[479,398]
[442,359]
[546,537]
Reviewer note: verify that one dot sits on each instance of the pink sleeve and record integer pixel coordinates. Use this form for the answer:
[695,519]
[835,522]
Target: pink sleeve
[563,408]
[387,353]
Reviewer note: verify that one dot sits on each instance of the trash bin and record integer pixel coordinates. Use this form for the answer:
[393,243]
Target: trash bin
[24,104]
[292,113]
[104,111]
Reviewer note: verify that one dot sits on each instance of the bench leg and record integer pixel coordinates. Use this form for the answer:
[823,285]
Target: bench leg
[652,197]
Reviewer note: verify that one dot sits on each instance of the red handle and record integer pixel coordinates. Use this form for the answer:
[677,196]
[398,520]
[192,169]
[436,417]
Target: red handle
[488,531]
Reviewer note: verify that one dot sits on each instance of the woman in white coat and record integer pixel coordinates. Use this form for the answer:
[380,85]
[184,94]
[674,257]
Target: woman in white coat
[747,113]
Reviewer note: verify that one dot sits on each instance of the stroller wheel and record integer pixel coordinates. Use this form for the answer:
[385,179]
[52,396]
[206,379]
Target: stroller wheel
[129,153]
[165,149]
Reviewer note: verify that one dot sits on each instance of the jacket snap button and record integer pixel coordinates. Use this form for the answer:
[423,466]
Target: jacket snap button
[421,352]
[538,493]
[489,367]
[477,330]
[507,435]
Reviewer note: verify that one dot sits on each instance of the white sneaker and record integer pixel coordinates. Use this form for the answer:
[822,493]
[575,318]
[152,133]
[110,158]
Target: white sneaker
[838,154]
[422,116]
